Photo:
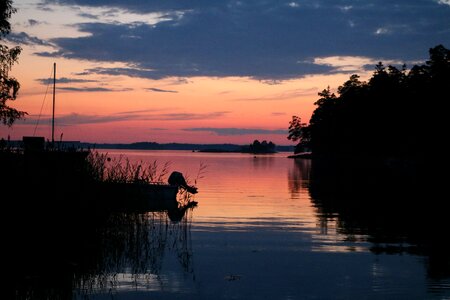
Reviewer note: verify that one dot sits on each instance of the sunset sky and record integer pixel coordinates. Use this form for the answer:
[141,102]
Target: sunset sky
[203,71]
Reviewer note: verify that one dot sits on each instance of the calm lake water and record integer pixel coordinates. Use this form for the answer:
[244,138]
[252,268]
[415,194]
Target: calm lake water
[269,227]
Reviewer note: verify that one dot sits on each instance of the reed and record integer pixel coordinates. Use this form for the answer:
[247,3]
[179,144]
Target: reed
[186,199]
[111,178]
[121,170]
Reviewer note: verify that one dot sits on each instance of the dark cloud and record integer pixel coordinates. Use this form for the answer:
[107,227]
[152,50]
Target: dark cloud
[268,40]
[188,116]
[80,119]
[181,81]
[237,131]
[64,80]
[50,54]
[141,111]
[88,16]
[91,89]
[22,38]
[131,72]
[32,22]
[159,129]
[161,90]
[44,6]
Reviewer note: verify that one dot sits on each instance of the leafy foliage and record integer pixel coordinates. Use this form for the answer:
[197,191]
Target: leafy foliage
[300,132]
[6,10]
[9,86]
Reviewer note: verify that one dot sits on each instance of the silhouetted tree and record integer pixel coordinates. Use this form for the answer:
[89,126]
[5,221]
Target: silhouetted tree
[322,130]
[435,91]
[261,147]
[396,114]
[9,86]
[300,132]
[256,145]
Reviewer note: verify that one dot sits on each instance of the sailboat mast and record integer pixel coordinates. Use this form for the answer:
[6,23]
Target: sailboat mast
[53,115]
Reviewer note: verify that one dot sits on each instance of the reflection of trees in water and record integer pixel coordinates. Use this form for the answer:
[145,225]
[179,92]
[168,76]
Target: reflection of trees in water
[92,254]
[298,175]
[395,208]
[263,161]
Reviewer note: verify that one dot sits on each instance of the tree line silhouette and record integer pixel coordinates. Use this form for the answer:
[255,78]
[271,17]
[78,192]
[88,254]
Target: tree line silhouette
[395,114]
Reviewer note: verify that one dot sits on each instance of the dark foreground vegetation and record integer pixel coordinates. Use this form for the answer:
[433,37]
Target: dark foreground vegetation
[63,230]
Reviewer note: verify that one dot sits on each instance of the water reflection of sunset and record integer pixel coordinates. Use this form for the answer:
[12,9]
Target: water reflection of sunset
[243,192]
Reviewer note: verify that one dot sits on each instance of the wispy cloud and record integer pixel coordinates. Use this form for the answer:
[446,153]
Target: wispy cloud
[63,80]
[131,72]
[283,95]
[141,111]
[161,90]
[33,22]
[352,64]
[189,116]
[142,115]
[237,131]
[88,16]
[181,80]
[92,89]
[159,129]
[80,119]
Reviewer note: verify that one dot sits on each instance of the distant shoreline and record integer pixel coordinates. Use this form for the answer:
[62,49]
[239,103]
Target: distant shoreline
[232,148]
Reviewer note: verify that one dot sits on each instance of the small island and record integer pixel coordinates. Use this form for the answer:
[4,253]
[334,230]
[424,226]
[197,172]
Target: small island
[256,147]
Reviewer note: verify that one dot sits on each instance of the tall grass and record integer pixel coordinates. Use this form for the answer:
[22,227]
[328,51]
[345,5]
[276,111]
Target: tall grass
[120,170]
[102,168]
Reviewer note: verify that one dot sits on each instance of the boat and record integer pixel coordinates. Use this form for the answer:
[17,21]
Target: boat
[143,195]
[138,196]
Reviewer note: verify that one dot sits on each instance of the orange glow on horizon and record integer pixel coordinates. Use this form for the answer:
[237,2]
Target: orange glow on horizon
[137,109]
